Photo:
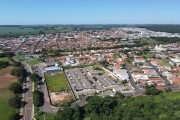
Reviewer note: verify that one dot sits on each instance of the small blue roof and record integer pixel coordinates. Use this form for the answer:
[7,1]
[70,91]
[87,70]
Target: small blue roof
[53,68]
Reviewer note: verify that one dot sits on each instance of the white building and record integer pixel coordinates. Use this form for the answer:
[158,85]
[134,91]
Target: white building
[122,74]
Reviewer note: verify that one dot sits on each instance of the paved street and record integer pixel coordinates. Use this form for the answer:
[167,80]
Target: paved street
[47,105]
[169,85]
[133,84]
[137,91]
[27,108]
[19,48]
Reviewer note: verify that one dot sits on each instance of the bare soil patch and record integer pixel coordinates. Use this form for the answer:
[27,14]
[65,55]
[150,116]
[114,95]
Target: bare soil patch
[6,78]
[60,96]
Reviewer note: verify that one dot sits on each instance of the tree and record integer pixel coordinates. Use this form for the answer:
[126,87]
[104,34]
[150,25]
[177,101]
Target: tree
[66,114]
[151,90]
[14,116]
[20,80]
[15,102]
[38,98]
[77,114]
[19,72]
[16,88]
[124,82]
[35,77]
[3,64]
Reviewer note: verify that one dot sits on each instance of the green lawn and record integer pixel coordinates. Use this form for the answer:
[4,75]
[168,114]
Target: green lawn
[147,55]
[47,116]
[5,108]
[5,95]
[4,59]
[22,56]
[34,61]
[56,82]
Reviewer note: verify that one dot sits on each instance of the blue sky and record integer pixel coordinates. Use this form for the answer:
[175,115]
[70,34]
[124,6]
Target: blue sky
[89,12]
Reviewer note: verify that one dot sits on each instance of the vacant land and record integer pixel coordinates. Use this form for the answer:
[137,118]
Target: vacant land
[149,42]
[56,82]
[22,56]
[34,61]
[147,55]
[61,96]
[5,80]
[164,62]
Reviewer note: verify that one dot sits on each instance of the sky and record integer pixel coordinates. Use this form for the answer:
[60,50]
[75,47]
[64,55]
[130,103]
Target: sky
[31,12]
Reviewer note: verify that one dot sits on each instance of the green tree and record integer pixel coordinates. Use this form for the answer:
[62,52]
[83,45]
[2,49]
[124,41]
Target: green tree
[3,64]
[151,90]
[66,114]
[15,102]
[38,98]
[16,88]
[19,72]
[35,77]
[14,116]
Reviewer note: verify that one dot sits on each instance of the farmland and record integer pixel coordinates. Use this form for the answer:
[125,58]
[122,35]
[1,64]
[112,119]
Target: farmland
[15,31]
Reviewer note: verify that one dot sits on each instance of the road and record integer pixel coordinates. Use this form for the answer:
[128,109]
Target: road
[27,106]
[43,88]
[133,84]
[169,85]
[47,104]
[19,48]
[39,42]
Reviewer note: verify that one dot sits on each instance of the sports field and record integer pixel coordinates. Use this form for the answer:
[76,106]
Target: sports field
[56,81]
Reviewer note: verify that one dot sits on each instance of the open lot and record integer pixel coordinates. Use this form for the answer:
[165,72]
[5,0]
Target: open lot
[34,61]
[22,56]
[147,55]
[61,96]
[164,62]
[5,80]
[56,81]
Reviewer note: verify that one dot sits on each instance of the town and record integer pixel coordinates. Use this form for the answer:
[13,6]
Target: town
[77,64]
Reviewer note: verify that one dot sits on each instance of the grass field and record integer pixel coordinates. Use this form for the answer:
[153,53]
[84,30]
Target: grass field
[16,30]
[149,42]
[47,116]
[22,56]
[24,30]
[164,62]
[56,81]
[6,59]
[34,61]
[5,80]
[147,55]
